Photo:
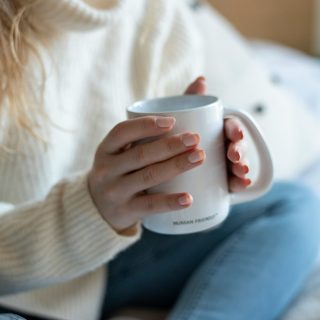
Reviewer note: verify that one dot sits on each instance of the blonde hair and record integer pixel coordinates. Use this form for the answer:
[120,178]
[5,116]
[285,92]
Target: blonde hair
[21,88]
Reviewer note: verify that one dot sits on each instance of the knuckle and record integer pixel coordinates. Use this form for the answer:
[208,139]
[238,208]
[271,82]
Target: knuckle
[116,131]
[111,194]
[99,173]
[139,154]
[149,176]
[180,163]
[149,204]
[171,145]
[102,167]
[148,123]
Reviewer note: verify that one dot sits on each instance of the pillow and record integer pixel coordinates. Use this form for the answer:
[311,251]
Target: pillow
[298,73]
[234,75]
[292,70]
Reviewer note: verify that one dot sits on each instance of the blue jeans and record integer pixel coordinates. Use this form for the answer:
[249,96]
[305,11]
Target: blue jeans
[10,316]
[250,268]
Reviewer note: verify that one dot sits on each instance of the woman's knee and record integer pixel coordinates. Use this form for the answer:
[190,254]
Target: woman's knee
[286,200]
[295,212]
[291,190]
[293,199]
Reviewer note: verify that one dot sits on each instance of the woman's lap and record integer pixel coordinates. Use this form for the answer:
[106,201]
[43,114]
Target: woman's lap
[155,271]
[173,271]
[259,269]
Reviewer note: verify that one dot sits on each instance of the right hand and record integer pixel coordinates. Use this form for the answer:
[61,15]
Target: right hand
[122,171]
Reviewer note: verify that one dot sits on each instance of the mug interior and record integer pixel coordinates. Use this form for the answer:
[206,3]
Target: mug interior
[172,104]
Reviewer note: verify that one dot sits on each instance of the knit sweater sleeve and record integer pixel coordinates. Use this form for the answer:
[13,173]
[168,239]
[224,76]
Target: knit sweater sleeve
[56,239]
[182,53]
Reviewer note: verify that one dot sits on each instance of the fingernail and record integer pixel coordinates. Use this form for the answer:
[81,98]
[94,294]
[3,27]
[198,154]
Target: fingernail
[236,155]
[240,134]
[245,169]
[196,156]
[165,122]
[247,182]
[189,140]
[185,200]
[201,78]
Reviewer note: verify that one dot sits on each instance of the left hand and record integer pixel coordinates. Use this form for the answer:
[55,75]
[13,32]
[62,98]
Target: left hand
[235,144]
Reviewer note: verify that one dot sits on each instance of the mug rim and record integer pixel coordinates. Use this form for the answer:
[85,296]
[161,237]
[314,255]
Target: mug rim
[133,108]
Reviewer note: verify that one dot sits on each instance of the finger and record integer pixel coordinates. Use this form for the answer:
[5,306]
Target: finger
[135,129]
[237,184]
[146,154]
[157,203]
[240,170]
[233,129]
[197,87]
[236,151]
[160,172]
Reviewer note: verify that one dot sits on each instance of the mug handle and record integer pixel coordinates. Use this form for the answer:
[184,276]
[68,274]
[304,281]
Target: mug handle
[265,176]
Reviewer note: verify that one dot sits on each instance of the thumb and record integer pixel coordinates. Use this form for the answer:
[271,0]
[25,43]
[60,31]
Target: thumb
[197,87]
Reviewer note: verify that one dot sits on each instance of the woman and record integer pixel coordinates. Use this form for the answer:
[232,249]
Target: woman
[67,215]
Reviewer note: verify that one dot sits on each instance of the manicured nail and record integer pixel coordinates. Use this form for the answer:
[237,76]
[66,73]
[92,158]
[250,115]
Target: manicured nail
[185,200]
[236,156]
[245,169]
[240,134]
[165,122]
[189,140]
[196,156]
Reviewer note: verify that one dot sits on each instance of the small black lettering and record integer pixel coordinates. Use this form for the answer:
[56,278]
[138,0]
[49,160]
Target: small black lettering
[198,220]
[183,222]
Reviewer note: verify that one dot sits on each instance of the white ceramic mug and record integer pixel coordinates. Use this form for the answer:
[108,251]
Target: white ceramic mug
[207,183]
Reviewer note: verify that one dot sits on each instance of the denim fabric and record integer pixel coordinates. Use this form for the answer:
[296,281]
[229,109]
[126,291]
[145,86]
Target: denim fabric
[10,317]
[249,268]
[11,314]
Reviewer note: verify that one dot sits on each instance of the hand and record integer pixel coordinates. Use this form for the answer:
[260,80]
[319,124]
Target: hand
[235,144]
[122,171]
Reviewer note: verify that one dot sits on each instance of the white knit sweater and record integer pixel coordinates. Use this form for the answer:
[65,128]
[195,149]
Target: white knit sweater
[54,245]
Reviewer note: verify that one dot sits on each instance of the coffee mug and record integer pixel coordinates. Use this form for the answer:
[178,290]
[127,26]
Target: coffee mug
[208,183]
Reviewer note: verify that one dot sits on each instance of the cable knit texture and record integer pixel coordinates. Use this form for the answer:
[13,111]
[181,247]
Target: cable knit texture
[54,245]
